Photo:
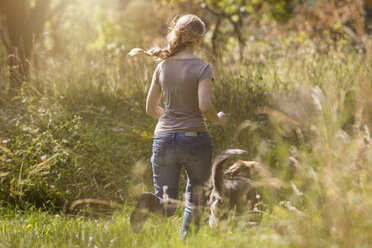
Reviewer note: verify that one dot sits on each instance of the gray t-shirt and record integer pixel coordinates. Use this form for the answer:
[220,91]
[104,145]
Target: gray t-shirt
[179,79]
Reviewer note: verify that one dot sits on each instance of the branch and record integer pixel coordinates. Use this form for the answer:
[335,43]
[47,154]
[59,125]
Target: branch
[215,12]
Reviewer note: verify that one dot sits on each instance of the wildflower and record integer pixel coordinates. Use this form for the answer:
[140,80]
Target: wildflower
[111,46]
[137,131]
[6,141]
[338,27]
[258,196]
[146,135]
[251,39]
[342,42]
[29,226]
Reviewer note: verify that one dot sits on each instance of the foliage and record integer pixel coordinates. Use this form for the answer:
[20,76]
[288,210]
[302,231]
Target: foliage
[232,17]
[298,104]
[47,157]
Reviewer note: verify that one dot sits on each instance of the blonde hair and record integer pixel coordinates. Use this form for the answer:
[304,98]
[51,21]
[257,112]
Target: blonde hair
[183,31]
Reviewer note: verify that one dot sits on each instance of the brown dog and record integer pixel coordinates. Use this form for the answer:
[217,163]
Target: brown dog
[236,191]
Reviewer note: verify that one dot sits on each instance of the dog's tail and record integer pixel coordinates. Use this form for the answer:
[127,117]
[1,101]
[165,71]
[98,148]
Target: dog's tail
[217,169]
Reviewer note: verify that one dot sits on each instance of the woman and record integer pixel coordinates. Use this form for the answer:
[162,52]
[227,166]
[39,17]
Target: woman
[183,82]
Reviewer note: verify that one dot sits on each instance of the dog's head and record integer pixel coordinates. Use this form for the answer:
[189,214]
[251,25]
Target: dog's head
[245,169]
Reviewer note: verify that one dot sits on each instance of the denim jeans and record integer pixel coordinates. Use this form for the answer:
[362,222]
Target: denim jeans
[172,151]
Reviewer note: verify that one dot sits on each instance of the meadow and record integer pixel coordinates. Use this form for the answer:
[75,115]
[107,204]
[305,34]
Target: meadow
[78,130]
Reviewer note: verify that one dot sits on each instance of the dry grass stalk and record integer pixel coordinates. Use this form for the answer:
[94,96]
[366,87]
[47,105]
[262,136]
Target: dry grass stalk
[95,201]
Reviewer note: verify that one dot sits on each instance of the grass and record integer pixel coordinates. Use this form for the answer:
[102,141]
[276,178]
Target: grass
[41,229]
[85,135]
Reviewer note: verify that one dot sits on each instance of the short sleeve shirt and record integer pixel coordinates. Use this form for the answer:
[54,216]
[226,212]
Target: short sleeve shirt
[179,80]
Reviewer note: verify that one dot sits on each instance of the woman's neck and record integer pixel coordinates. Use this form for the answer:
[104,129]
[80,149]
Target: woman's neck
[186,53]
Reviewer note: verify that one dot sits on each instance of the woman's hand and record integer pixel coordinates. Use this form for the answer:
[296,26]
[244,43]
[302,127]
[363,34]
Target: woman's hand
[222,117]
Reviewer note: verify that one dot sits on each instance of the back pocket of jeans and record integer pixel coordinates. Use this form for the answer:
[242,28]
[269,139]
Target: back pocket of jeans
[161,140]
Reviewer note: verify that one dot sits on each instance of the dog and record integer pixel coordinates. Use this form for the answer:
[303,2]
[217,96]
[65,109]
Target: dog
[236,192]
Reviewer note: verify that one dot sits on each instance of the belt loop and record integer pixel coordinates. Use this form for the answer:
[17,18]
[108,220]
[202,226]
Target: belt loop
[192,134]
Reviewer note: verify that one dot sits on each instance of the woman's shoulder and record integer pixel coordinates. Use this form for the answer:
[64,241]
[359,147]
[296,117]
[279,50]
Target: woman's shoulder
[193,64]
[194,60]
[202,65]
[202,62]
[160,64]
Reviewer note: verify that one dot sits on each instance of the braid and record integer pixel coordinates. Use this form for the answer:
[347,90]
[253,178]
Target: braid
[176,44]
[161,53]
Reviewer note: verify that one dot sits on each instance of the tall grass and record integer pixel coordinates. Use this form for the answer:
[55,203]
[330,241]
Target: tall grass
[78,130]
[40,229]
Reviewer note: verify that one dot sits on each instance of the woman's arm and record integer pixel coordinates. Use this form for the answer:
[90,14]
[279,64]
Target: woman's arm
[206,105]
[153,100]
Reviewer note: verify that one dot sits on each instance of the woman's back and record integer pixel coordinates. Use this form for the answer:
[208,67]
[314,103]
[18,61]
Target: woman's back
[179,79]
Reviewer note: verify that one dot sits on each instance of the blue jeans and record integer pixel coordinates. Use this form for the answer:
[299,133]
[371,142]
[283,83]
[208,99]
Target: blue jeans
[172,151]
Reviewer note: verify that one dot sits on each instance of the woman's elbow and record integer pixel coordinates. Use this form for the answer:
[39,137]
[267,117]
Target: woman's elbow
[148,110]
[151,112]
[202,109]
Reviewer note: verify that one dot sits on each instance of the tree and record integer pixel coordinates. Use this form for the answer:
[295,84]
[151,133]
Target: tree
[230,17]
[231,11]
[22,22]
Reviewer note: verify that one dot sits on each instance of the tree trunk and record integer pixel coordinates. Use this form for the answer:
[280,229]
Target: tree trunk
[21,26]
[215,38]
[238,32]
